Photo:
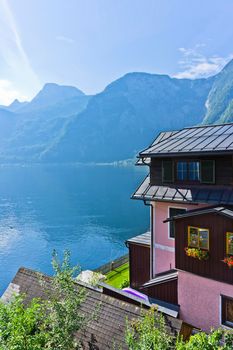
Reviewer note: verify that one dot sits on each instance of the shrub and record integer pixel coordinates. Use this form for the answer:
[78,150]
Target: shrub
[46,324]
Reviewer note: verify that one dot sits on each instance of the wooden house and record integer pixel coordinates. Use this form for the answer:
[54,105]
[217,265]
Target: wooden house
[189,189]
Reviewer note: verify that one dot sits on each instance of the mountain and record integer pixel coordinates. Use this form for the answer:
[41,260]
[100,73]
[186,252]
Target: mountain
[52,94]
[62,124]
[220,99]
[8,121]
[40,122]
[16,105]
[120,121]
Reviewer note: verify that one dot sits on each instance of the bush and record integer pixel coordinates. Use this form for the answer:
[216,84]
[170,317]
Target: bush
[45,324]
[124,284]
[150,333]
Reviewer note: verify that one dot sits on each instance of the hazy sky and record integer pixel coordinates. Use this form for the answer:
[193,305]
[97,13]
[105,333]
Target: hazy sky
[90,43]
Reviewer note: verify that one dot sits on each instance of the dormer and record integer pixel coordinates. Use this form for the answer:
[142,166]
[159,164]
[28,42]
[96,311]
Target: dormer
[190,165]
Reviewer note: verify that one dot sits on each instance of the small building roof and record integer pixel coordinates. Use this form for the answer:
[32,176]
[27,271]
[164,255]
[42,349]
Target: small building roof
[102,332]
[193,194]
[143,239]
[206,139]
[225,211]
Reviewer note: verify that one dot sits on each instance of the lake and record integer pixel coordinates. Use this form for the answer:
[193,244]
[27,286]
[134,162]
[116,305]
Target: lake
[86,209]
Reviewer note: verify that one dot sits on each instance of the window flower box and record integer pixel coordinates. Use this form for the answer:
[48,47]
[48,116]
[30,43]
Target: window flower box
[197,253]
[229,261]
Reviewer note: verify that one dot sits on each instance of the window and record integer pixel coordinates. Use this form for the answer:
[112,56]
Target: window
[173,212]
[208,171]
[229,243]
[227,311]
[168,173]
[194,171]
[198,238]
[188,171]
[182,171]
[201,171]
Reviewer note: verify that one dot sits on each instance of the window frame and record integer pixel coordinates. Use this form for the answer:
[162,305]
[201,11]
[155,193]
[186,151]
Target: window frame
[227,247]
[188,161]
[214,172]
[223,313]
[199,228]
[173,207]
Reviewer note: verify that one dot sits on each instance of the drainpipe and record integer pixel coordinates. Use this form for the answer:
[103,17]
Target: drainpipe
[152,238]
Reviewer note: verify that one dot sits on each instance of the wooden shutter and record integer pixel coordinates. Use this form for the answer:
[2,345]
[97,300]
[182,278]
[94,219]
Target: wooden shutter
[167,171]
[208,171]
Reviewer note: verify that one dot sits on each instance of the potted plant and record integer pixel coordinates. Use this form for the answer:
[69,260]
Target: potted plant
[229,261]
[197,253]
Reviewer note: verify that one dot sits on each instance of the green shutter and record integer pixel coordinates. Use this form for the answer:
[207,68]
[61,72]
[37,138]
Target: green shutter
[208,171]
[167,171]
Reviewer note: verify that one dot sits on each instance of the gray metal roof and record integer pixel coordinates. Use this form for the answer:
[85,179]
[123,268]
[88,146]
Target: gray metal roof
[162,277]
[216,210]
[143,239]
[206,139]
[194,194]
[161,137]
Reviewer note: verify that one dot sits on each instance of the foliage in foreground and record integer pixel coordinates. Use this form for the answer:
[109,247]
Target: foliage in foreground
[45,324]
[150,333]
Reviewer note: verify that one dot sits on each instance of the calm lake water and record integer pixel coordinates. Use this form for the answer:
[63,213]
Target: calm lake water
[86,209]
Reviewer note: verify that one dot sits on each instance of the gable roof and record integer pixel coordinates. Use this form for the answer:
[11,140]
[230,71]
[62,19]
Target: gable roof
[99,334]
[143,239]
[225,211]
[186,194]
[207,139]
[161,137]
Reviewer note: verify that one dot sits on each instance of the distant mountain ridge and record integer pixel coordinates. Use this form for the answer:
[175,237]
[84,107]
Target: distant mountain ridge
[61,124]
[220,100]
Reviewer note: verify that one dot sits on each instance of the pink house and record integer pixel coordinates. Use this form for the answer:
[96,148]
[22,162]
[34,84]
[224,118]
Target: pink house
[189,190]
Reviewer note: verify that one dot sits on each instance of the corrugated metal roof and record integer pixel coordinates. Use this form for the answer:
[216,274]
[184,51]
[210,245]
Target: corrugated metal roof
[161,137]
[143,239]
[200,139]
[163,277]
[194,194]
[226,211]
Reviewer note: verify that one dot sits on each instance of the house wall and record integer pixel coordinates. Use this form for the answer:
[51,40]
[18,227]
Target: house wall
[166,291]
[213,268]
[223,169]
[200,300]
[139,264]
[164,247]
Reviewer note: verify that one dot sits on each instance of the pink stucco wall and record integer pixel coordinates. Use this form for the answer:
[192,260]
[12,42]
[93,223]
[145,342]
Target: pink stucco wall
[200,300]
[164,253]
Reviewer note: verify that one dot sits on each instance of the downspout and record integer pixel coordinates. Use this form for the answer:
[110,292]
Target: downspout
[152,238]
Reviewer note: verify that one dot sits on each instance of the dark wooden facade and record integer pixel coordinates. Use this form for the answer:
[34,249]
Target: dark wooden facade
[223,169]
[212,268]
[139,264]
[166,291]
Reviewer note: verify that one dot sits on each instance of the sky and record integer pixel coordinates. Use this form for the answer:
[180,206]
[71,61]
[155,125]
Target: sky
[90,43]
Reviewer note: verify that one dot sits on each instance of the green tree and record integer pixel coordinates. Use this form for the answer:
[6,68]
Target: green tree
[22,328]
[150,333]
[49,323]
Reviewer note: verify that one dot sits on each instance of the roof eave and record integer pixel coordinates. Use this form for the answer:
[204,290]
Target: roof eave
[184,154]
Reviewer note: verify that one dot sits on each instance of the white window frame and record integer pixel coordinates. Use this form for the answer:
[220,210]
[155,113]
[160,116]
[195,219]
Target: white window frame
[168,215]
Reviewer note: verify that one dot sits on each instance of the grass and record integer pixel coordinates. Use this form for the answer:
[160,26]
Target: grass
[117,276]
